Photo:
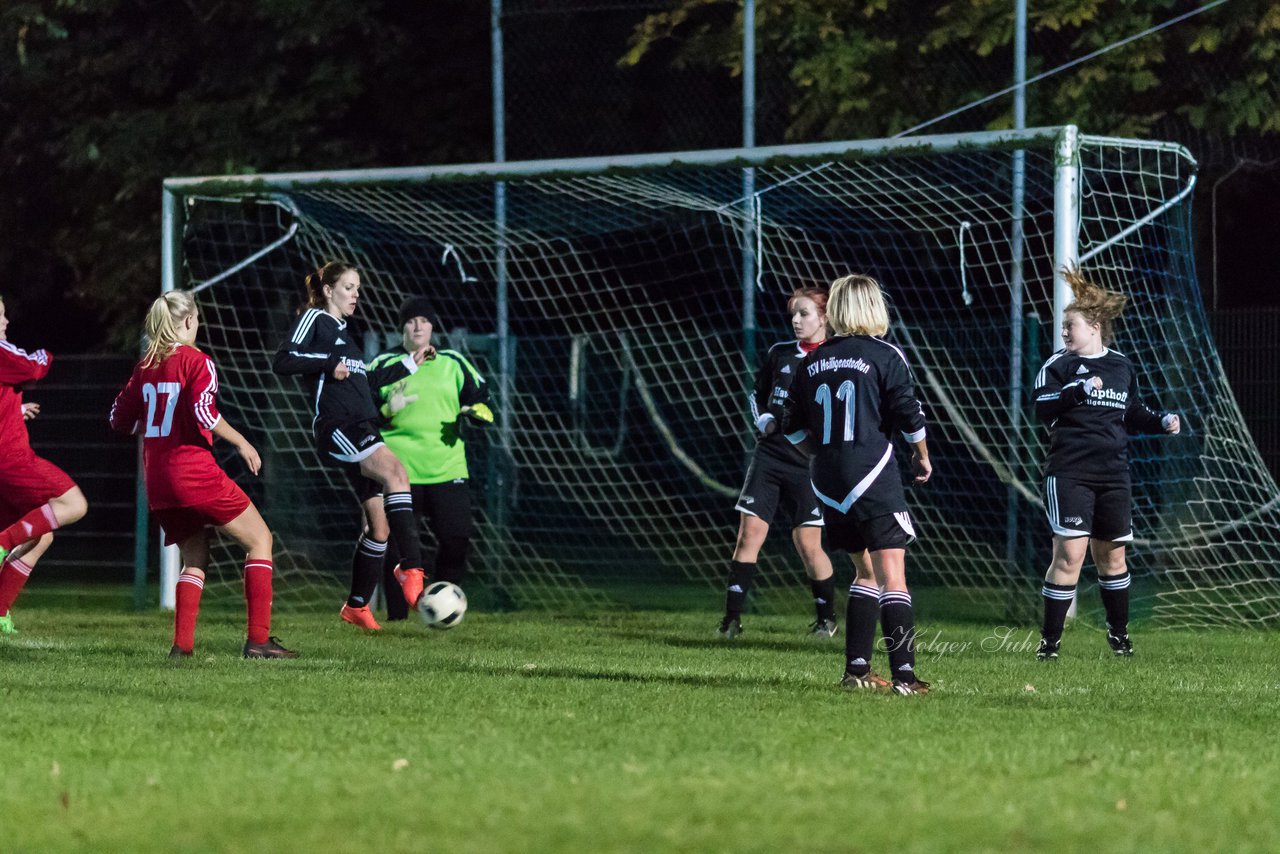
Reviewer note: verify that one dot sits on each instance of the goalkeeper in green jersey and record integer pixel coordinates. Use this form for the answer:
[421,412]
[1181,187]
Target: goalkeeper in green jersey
[424,414]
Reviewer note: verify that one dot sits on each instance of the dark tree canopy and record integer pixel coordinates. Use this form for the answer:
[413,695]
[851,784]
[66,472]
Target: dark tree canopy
[101,99]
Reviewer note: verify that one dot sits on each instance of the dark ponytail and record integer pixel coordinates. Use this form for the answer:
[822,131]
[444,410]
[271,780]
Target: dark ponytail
[326,275]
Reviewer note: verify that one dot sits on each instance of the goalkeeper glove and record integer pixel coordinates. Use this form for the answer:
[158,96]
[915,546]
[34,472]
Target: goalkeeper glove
[398,400]
[479,412]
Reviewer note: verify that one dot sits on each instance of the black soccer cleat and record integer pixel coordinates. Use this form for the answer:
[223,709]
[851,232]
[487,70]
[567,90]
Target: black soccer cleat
[870,682]
[1120,644]
[1048,650]
[907,689]
[270,649]
[823,629]
[176,651]
[730,628]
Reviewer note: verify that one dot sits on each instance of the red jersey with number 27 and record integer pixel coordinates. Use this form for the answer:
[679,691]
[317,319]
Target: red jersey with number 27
[173,406]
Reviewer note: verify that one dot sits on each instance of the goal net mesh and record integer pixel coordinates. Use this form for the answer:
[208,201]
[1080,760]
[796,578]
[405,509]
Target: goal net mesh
[623,429]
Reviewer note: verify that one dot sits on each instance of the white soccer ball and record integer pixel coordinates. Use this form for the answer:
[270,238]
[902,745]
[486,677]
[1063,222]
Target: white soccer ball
[442,605]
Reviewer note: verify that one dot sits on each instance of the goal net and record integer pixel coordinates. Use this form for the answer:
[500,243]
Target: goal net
[603,299]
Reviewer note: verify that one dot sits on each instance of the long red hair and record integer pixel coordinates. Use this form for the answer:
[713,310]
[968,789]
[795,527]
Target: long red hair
[814,292]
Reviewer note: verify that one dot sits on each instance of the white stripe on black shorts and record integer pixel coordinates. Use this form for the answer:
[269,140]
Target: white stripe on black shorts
[352,442]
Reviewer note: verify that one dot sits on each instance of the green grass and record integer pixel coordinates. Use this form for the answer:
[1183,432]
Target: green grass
[624,732]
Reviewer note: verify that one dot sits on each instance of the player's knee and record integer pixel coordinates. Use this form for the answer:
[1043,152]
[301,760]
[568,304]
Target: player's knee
[1112,565]
[392,474]
[1065,567]
[261,542]
[70,507]
[752,531]
[378,531]
[810,551]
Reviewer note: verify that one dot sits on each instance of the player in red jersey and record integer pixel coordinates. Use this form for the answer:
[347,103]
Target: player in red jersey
[36,496]
[171,401]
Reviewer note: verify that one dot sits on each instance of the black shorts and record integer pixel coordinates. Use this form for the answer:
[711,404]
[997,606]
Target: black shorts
[446,507]
[890,531]
[770,482]
[1103,511]
[349,445]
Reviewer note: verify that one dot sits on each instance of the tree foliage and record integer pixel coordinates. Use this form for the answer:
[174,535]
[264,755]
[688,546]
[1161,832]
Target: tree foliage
[877,67]
[101,99]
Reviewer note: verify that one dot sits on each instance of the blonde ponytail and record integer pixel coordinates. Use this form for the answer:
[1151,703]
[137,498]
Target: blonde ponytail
[160,329]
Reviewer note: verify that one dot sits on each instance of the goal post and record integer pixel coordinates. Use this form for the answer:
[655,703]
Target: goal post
[604,300]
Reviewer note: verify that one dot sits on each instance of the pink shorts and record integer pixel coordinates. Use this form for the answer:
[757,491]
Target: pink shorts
[180,523]
[29,484]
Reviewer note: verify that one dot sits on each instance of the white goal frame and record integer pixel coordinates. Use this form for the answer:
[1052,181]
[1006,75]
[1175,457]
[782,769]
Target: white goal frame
[1065,141]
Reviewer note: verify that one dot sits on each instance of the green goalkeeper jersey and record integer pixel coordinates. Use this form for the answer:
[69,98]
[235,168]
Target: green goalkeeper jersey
[425,434]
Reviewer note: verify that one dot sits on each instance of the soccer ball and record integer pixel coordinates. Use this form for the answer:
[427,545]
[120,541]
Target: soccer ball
[442,605]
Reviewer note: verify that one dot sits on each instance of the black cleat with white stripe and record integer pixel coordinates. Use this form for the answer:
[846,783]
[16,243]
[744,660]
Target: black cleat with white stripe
[823,629]
[1120,644]
[730,628]
[906,689]
[1048,650]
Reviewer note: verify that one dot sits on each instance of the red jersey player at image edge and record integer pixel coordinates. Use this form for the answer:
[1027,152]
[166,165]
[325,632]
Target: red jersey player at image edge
[36,497]
[171,401]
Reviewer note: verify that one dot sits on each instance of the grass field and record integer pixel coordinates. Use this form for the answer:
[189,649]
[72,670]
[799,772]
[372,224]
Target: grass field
[632,731]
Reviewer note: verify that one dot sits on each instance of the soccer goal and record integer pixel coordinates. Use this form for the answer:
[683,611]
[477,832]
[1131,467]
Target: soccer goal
[616,306]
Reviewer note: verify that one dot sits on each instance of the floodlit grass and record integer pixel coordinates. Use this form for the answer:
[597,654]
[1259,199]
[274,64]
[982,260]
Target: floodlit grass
[625,732]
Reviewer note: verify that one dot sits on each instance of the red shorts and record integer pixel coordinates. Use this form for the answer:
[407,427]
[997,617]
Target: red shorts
[27,484]
[217,509]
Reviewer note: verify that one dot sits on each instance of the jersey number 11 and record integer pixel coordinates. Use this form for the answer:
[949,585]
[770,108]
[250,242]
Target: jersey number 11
[823,398]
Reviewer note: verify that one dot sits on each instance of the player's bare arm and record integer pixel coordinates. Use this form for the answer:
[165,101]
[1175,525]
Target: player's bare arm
[247,452]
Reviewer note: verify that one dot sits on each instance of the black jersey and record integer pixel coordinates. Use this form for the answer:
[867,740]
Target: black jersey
[778,368]
[848,398]
[1089,428]
[316,344]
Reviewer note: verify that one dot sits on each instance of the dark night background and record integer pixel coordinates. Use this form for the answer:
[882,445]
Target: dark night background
[99,101]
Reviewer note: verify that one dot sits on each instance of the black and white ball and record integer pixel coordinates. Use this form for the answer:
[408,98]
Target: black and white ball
[442,605]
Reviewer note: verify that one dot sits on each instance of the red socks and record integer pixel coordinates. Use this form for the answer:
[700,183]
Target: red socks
[32,526]
[257,598]
[12,577]
[188,607]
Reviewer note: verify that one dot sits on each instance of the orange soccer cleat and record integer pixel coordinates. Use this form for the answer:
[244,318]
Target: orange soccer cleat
[411,582]
[869,681]
[361,617]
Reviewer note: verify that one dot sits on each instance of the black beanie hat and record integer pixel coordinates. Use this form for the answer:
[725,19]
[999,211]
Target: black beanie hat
[416,307]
